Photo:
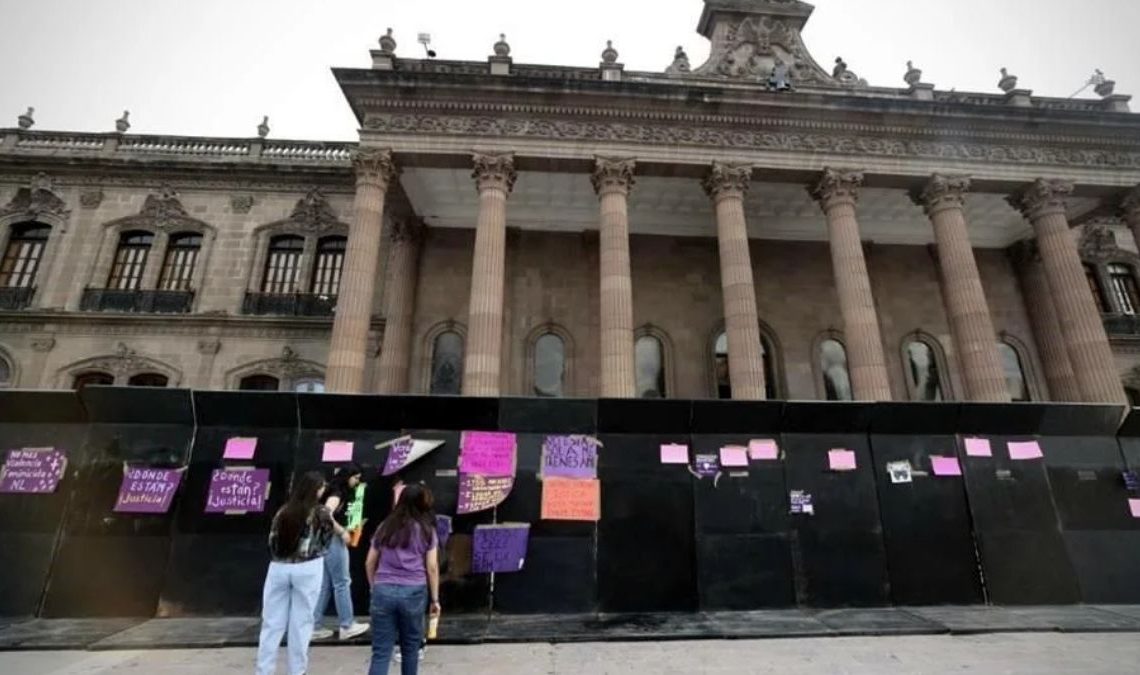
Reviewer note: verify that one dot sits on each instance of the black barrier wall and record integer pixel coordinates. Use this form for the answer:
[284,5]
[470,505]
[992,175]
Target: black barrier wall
[1039,531]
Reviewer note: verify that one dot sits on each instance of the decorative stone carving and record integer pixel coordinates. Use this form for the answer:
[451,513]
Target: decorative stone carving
[836,186]
[209,347]
[1130,205]
[1098,243]
[123,124]
[913,75]
[680,65]
[263,128]
[91,199]
[161,211]
[609,54]
[388,44]
[1008,82]
[502,49]
[613,175]
[313,213]
[241,203]
[727,179]
[1104,86]
[410,229]
[287,367]
[374,165]
[26,120]
[494,171]
[36,201]
[43,345]
[943,192]
[1043,197]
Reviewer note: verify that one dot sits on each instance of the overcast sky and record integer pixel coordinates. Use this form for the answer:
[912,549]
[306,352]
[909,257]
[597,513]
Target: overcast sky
[214,67]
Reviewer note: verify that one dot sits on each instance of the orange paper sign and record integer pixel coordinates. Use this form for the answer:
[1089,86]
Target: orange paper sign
[572,499]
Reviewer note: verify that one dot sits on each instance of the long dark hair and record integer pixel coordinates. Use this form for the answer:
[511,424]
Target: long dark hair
[292,517]
[414,508]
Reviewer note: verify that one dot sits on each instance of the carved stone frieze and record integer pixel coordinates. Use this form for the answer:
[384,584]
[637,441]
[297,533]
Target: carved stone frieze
[241,203]
[36,200]
[374,166]
[727,180]
[613,175]
[91,199]
[837,186]
[162,210]
[943,192]
[494,171]
[1043,197]
[43,344]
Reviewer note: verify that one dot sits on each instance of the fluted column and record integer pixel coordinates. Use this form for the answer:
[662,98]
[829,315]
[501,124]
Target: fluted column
[1046,331]
[349,344]
[613,180]
[494,178]
[1044,204]
[1130,209]
[971,325]
[399,305]
[837,193]
[727,184]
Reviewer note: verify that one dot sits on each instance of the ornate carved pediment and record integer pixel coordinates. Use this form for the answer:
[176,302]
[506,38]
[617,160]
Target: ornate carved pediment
[125,362]
[311,215]
[1098,244]
[288,367]
[161,211]
[36,200]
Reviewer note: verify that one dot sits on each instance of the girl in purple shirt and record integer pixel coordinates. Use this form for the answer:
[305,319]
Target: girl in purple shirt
[403,569]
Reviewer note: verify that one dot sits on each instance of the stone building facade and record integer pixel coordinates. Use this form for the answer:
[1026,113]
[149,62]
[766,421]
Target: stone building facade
[754,227]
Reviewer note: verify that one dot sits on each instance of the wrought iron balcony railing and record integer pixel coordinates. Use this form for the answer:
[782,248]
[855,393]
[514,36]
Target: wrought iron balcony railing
[288,304]
[16,297]
[156,302]
[1121,325]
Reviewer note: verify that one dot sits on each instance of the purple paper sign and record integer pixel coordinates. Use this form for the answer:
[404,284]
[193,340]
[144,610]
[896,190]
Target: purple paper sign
[499,548]
[569,457]
[706,465]
[487,453]
[147,490]
[238,491]
[33,470]
[443,530]
[398,456]
[479,493]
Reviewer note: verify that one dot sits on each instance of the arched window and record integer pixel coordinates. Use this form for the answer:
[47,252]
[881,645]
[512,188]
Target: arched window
[92,378]
[283,264]
[22,257]
[5,373]
[447,364]
[549,366]
[148,380]
[1094,286]
[1015,379]
[649,365]
[924,380]
[259,383]
[1124,290]
[833,368]
[130,260]
[181,257]
[309,385]
[330,263]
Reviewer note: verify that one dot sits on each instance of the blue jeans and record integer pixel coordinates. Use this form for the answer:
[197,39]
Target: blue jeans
[397,618]
[287,605]
[337,582]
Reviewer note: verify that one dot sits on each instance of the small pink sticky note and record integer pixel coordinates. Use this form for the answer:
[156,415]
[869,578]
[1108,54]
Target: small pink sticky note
[978,447]
[337,451]
[240,448]
[1026,450]
[841,460]
[1134,507]
[734,456]
[674,453]
[763,449]
[945,466]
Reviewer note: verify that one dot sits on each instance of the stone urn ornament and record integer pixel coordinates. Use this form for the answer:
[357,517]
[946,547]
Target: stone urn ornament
[502,49]
[26,121]
[609,55]
[123,124]
[1104,86]
[913,75]
[388,44]
[263,128]
[1008,82]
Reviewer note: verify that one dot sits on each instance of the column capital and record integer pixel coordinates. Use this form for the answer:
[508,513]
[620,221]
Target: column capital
[494,171]
[410,229]
[374,166]
[943,191]
[613,175]
[837,186]
[1130,206]
[1043,197]
[724,180]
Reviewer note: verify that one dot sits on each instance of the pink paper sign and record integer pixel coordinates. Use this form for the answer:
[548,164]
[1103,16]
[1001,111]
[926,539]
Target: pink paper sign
[763,449]
[1026,450]
[487,453]
[1134,507]
[734,456]
[240,448]
[337,451]
[674,453]
[841,460]
[978,447]
[945,466]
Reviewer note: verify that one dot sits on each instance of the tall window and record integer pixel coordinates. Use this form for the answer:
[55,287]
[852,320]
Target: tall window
[922,372]
[549,366]
[330,262]
[720,367]
[1124,288]
[833,366]
[130,260]
[283,264]
[1094,286]
[22,257]
[259,383]
[5,373]
[148,380]
[447,364]
[181,257]
[649,364]
[1014,372]
[92,378]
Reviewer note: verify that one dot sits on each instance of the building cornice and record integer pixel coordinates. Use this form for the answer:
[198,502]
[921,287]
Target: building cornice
[190,325]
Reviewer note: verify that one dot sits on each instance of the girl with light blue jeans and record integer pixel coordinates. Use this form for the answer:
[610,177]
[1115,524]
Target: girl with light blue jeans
[337,579]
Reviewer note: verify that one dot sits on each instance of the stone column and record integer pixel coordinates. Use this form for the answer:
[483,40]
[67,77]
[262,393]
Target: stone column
[400,305]
[837,192]
[1046,331]
[494,179]
[1044,204]
[349,344]
[612,181]
[1130,209]
[727,184]
[975,339]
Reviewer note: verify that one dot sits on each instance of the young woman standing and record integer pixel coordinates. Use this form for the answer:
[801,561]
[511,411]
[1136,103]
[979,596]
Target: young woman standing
[403,568]
[300,535]
[336,578]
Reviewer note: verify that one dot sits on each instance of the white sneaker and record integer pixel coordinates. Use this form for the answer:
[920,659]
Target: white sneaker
[322,633]
[400,657]
[353,630]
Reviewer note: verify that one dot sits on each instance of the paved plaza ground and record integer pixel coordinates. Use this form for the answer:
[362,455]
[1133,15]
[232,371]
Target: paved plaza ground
[993,653]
